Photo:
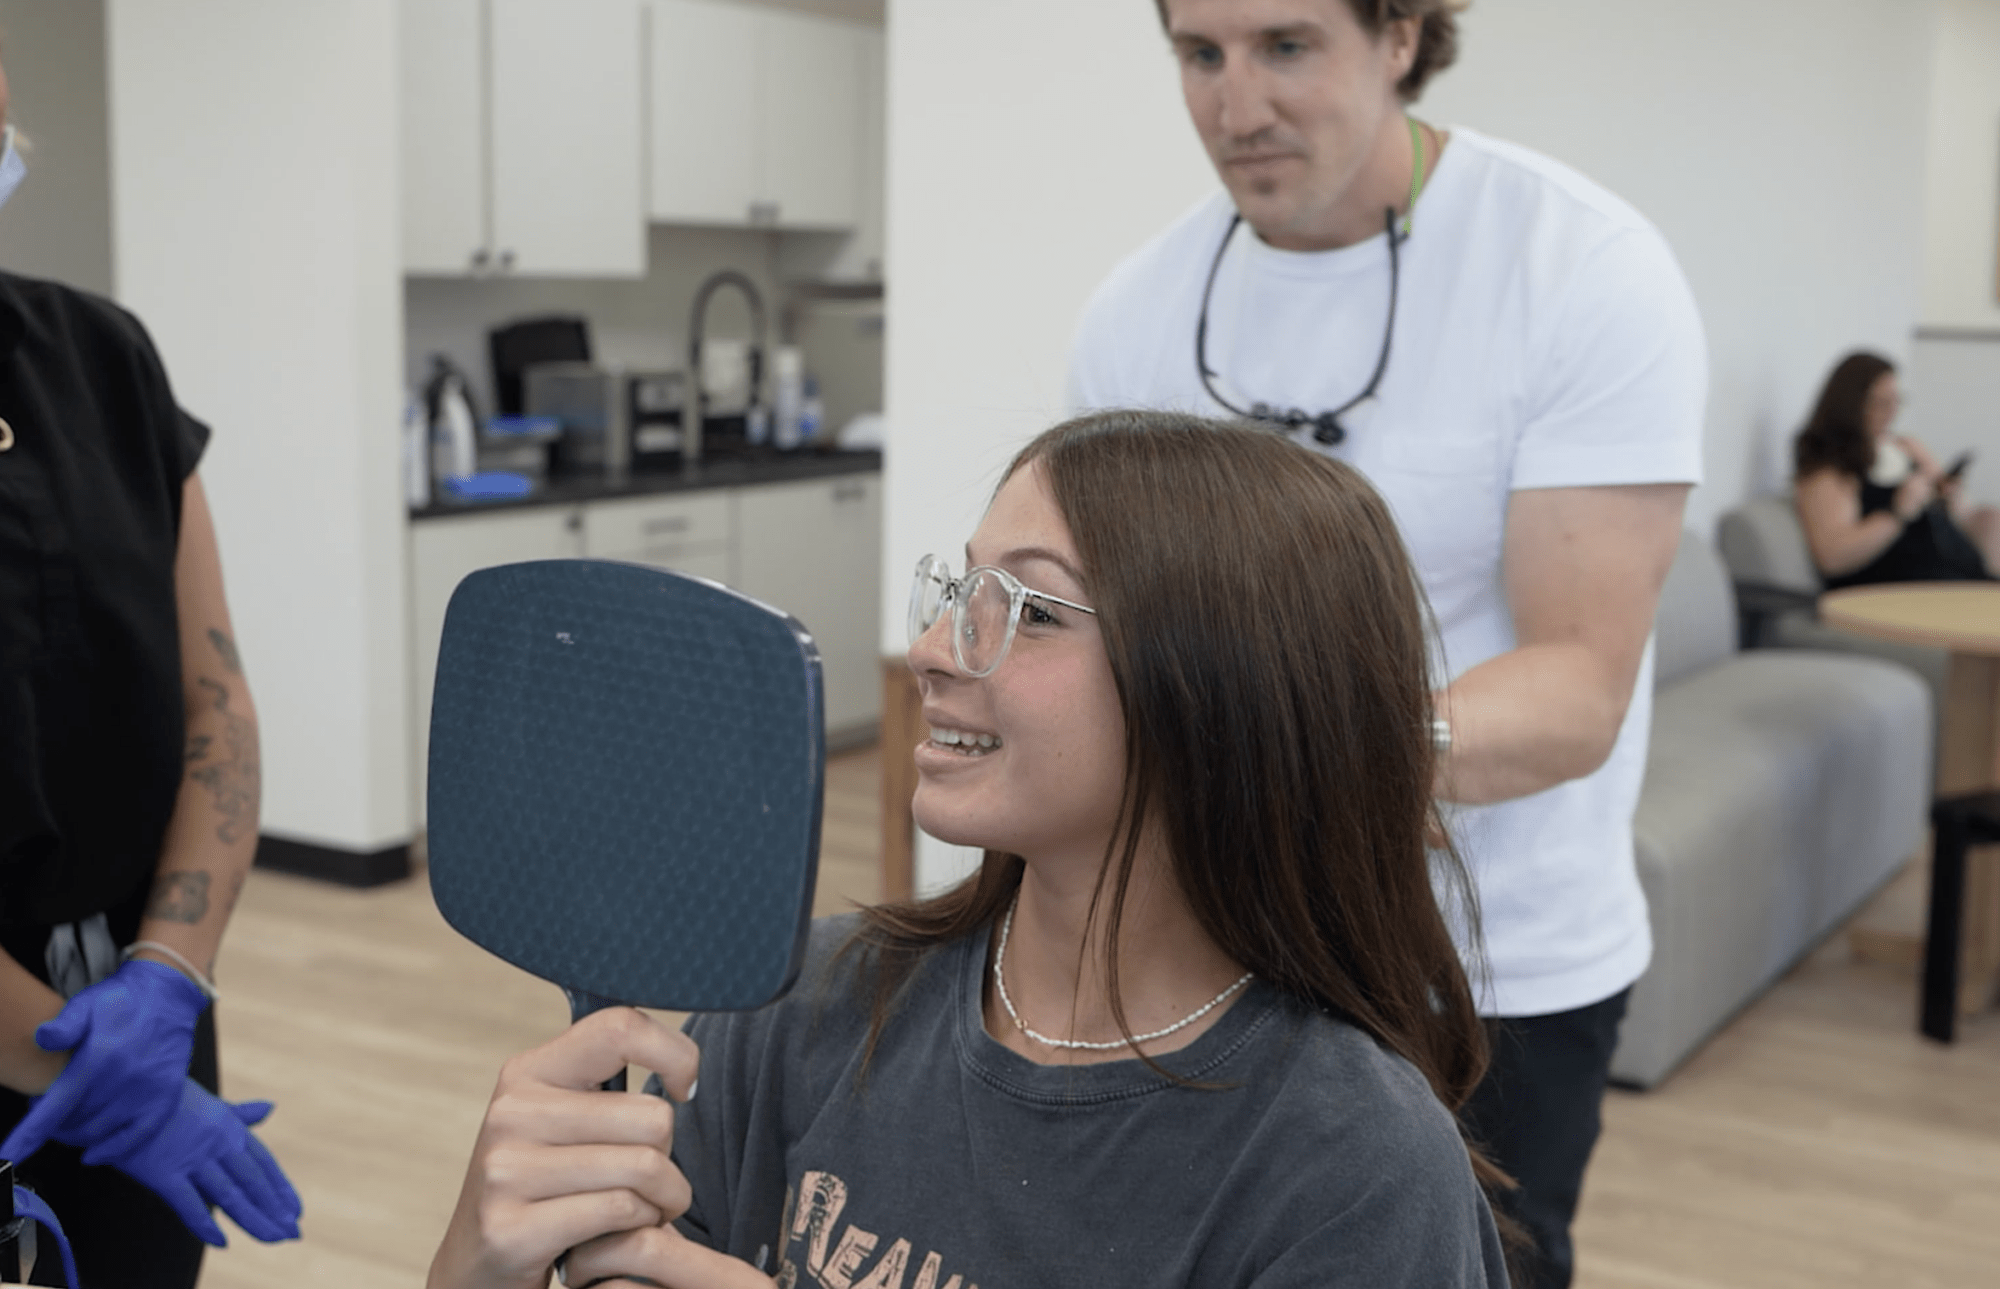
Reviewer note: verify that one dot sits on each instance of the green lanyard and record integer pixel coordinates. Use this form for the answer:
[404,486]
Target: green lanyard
[1416,175]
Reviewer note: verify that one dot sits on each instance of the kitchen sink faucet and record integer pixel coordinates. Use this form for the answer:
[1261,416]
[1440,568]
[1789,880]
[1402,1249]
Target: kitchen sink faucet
[697,328]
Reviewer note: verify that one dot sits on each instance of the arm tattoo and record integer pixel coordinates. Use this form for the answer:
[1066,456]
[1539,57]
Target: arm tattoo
[227,648]
[231,772]
[179,897]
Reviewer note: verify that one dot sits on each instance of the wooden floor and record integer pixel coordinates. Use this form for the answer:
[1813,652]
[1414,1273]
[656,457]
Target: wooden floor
[1817,1142]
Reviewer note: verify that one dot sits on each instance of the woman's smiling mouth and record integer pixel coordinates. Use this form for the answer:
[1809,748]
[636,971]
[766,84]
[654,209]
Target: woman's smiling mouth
[963,742]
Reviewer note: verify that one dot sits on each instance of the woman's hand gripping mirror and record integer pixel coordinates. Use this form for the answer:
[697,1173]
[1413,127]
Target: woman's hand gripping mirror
[564,1170]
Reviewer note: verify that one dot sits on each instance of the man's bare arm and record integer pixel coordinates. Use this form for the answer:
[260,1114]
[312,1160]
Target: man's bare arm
[1583,570]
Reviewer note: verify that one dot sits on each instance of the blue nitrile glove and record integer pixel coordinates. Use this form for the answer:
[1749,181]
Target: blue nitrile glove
[206,1155]
[129,1037]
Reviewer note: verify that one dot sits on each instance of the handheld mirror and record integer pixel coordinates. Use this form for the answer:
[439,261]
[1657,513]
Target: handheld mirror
[626,770]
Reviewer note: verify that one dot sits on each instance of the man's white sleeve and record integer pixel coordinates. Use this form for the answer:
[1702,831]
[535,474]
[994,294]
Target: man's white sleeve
[1621,375]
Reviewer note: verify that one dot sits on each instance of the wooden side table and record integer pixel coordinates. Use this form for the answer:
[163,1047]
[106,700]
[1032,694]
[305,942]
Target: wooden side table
[1963,618]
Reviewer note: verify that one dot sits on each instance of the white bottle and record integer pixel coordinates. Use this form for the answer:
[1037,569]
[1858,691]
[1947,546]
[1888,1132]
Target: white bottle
[454,453]
[788,369]
[812,412]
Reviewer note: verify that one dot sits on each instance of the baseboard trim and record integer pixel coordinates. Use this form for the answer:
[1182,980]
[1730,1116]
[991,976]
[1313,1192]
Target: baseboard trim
[334,864]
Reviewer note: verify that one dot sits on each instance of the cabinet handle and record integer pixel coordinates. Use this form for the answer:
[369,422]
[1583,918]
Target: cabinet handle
[507,259]
[764,213]
[575,521]
[479,258]
[850,491]
[676,524]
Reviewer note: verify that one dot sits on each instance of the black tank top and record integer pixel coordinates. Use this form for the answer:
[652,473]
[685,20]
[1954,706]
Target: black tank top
[1931,547]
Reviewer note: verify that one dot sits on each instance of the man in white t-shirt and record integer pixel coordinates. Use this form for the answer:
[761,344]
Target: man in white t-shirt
[1513,357]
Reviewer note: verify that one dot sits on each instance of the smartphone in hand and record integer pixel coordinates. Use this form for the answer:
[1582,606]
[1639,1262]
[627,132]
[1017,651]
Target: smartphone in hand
[1958,466]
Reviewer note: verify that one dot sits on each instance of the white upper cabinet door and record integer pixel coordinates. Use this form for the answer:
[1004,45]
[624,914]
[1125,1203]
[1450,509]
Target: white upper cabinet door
[867,251]
[809,119]
[444,135]
[567,137]
[703,126]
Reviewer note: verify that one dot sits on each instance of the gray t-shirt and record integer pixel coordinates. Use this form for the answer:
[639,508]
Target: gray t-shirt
[954,1163]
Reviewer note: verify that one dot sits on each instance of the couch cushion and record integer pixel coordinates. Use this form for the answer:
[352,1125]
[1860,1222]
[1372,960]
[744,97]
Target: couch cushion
[1696,623]
[1782,788]
[1762,542]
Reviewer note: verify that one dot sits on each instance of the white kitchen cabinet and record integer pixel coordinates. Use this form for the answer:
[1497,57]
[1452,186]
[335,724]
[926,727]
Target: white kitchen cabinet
[444,135]
[688,534]
[756,116]
[857,254]
[568,137]
[809,120]
[524,137]
[814,550]
[703,135]
[442,552]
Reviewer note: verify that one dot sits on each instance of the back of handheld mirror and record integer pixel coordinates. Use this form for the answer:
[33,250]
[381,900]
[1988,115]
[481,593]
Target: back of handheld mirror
[626,773]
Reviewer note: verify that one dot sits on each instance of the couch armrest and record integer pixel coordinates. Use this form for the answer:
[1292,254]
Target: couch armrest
[1757,603]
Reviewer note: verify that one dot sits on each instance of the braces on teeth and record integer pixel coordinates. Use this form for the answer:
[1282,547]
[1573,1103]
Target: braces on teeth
[960,738]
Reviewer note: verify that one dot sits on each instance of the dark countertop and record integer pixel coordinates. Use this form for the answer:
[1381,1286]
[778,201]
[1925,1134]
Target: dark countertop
[767,466]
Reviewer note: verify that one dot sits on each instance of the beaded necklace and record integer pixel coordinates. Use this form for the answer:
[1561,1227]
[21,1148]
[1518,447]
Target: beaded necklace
[1000,979]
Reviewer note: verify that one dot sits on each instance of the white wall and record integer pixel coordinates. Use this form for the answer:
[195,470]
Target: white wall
[254,182]
[1778,144]
[1952,403]
[1962,180]
[1031,145]
[59,224]
[1952,380]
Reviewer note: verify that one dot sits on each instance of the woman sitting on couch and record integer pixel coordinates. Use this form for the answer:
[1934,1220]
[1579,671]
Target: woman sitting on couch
[1875,505]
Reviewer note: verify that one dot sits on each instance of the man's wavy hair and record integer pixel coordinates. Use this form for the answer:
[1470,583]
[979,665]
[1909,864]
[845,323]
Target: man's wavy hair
[1437,36]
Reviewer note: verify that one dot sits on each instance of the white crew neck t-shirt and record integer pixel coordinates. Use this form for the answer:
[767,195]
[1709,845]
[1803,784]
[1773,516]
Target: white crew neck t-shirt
[1544,338]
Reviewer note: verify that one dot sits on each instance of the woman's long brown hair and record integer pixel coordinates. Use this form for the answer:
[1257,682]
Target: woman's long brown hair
[1266,633]
[1836,437]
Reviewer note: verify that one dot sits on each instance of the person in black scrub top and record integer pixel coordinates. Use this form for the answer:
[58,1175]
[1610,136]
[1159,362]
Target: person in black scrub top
[128,799]
[1874,504]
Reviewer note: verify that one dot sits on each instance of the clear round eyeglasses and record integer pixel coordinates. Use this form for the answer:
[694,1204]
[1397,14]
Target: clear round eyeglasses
[986,606]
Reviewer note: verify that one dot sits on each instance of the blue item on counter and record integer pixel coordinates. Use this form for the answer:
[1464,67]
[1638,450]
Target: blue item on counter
[524,427]
[490,485]
[129,1037]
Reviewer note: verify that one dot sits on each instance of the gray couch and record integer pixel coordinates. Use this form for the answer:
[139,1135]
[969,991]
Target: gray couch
[1765,547]
[1783,788]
